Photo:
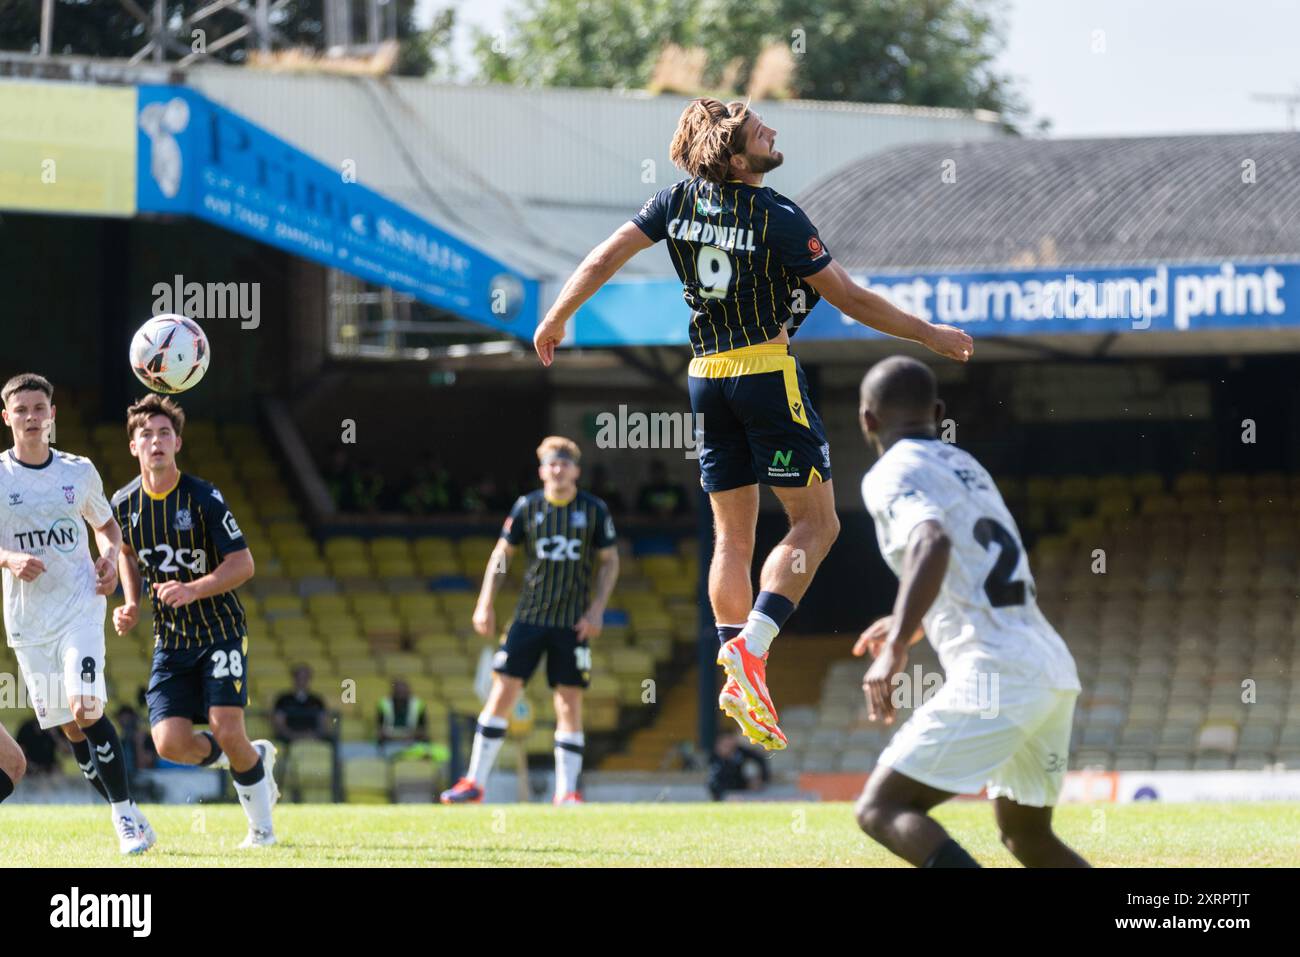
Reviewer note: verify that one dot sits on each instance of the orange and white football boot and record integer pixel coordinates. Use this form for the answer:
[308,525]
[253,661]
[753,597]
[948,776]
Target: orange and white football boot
[748,673]
[733,704]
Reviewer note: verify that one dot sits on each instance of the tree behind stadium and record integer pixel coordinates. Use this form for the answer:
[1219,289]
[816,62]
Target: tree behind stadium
[103,28]
[912,52]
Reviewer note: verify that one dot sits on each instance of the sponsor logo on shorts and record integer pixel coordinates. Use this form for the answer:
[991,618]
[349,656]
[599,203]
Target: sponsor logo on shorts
[781,466]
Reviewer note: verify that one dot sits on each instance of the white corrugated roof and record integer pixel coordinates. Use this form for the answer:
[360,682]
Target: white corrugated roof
[538,177]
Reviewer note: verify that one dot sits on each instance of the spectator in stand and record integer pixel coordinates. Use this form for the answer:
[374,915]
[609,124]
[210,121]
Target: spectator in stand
[301,714]
[368,491]
[402,716]
[340,479]
[484,497]
[39,747]
[602,488]
[727,767]
[660,497]
[429,489]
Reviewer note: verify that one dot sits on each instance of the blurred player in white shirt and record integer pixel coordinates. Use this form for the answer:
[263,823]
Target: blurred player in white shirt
[54,593]
[1002,719]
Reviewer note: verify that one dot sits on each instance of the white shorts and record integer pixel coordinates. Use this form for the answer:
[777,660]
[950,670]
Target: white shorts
[72,664]
[1009,737]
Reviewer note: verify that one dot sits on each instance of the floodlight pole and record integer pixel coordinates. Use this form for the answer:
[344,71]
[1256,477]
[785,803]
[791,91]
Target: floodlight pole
[47,26]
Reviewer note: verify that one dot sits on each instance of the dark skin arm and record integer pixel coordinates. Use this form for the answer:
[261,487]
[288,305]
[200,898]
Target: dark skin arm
[925,563]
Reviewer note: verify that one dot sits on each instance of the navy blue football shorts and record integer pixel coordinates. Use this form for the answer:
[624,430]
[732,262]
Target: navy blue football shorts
[758,424]
[186,682]
[568,660]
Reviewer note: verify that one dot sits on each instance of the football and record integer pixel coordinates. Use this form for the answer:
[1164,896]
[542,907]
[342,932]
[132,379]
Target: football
[170,353]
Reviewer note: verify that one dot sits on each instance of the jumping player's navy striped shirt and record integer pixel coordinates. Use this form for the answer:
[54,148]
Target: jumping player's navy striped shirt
[742,253]
[182,536]
[562,541]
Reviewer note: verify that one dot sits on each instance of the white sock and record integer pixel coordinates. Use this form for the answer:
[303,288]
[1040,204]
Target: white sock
[122,809]
[257,801]
[759,632]
[486,747]
[568,761]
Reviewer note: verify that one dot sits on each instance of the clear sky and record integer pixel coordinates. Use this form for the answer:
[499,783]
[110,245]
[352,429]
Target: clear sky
[1118,67]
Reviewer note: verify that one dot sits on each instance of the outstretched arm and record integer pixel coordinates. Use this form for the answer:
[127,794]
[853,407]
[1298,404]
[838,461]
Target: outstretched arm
[596,270]
[838,288]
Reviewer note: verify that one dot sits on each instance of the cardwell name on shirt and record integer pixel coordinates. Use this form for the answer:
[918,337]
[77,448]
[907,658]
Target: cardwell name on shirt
[724,237]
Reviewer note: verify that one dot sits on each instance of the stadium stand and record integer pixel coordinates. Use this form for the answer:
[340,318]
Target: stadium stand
[361,611]
[1177,603]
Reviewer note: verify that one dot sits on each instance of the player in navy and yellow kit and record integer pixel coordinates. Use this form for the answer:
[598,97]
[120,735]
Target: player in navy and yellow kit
[180,537]
[573,564]
[751,266]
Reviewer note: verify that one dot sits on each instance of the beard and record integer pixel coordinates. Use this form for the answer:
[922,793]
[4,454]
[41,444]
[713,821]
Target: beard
[765,164]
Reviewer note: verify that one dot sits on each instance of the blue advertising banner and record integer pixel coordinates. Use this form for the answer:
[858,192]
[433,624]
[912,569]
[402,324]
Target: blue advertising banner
[1224,295]
[200,159]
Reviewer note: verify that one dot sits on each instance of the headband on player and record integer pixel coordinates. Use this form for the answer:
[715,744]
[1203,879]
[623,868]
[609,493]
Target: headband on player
[554,454]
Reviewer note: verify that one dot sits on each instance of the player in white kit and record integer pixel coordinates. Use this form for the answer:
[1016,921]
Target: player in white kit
[54,593]
[1002,718]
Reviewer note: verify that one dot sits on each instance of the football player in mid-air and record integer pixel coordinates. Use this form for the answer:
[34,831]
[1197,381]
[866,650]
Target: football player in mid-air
[54,595]
[180,536]
[567,534]
[1002,719]
[751,266]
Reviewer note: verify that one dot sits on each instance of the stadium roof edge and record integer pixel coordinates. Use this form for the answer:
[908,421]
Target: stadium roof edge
[1023,203]
[87,69]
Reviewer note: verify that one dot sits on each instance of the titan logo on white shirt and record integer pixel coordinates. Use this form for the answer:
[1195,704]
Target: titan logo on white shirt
[43,512]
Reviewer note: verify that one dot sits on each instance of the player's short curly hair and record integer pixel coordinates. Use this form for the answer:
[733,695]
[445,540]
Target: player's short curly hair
[138,413]
[558,443]
[26,382]
[708,135]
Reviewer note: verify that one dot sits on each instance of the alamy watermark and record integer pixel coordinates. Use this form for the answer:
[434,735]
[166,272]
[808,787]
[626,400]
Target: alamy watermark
[650,430]
[977,692]
[210,300]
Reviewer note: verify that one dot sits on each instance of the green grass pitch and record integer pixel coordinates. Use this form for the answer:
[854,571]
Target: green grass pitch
[633,835]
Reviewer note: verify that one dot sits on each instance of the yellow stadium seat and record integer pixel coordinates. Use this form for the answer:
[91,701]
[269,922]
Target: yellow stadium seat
[389,547]
[327,604]
[279,604]
[395,568]
[350,568]
[366,604]
[356,665]
[401,664]
[309,568]
[345,546]
[366,780]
